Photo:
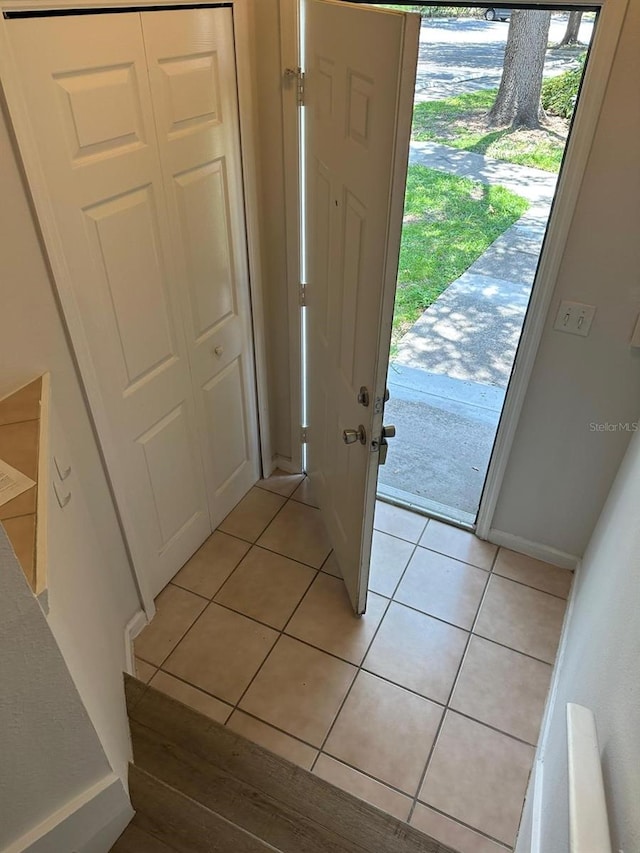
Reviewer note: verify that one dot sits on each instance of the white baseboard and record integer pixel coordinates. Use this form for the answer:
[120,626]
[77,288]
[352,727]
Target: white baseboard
[134,626]
[285,464]
[89,823]
[533,549]
[536,782]
[536,808]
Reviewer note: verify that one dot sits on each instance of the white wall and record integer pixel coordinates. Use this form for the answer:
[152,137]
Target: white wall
[600,669]
[50,750]
[91,590]
[559,472]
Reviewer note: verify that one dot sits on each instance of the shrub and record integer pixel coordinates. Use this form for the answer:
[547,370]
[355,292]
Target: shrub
[559,94]
[436,11]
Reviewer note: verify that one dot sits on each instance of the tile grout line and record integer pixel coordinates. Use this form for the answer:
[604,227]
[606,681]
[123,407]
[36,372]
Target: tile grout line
[281,632]
[446,708]
[415,545]
[337,657]
[358,667]
[210,601]
[268,524]
[362,668]
[348,693]
[502,844]
[204,609]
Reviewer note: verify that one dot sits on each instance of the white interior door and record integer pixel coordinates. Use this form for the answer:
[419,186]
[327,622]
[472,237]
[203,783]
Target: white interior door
[86,87]
[193,85]
[360,76]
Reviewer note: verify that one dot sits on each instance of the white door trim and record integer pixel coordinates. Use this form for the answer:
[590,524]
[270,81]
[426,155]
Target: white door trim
[27,150]
[577,153]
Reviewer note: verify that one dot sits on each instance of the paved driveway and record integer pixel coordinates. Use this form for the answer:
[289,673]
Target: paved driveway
[459,55]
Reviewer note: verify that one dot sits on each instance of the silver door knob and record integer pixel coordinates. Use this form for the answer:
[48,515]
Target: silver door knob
[350,436]
[389,431]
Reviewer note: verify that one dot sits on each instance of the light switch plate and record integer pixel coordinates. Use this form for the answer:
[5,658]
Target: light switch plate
[575,318]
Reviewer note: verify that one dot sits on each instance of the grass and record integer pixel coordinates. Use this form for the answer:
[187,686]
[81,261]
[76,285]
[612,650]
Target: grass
[459,122]
[448,223]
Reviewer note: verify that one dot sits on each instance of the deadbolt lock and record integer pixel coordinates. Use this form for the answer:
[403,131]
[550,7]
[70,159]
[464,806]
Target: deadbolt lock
[363,396]
[351,436]
[389,431]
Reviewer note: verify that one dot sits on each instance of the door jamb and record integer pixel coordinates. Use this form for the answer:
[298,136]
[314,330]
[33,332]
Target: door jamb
[44,221]
[290,59]
[611,18]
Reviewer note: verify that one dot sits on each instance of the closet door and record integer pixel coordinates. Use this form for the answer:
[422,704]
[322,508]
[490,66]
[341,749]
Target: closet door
[85,83]
[193,83]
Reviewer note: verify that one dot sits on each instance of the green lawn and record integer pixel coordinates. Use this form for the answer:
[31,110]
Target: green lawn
[448,223]
[459,122]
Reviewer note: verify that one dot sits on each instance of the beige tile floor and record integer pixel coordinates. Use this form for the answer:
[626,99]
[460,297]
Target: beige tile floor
[429,706]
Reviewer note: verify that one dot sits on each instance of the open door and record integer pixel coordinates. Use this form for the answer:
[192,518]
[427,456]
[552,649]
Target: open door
[359,84]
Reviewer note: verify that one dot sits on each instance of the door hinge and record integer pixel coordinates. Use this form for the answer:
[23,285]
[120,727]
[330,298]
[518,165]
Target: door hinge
[298,75]
[304,432]
[302,295]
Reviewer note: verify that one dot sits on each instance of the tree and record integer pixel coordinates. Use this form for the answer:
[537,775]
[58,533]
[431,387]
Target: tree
[518,101]
[573,28]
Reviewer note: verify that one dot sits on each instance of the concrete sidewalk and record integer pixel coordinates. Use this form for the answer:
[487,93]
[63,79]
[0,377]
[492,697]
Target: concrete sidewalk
[472,330]
[448,381]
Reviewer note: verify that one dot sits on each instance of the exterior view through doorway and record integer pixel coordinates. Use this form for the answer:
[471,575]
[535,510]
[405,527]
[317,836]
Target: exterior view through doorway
[478,199]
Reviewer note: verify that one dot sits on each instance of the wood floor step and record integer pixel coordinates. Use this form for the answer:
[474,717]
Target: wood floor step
[136,840]
[287,829]
[181,745]
[180,824]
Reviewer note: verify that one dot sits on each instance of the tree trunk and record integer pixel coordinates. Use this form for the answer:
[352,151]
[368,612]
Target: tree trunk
[573,28]
[518,100]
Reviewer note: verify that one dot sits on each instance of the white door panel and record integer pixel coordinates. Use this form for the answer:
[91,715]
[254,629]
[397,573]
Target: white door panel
[192,73]
[359,92]
[86,83]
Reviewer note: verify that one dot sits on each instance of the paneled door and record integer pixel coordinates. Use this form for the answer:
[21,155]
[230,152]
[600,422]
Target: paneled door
[192,73]
[359,86]
[142,306]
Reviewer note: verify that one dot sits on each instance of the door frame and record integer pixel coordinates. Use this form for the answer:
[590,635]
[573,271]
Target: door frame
[611,14]
[45,220]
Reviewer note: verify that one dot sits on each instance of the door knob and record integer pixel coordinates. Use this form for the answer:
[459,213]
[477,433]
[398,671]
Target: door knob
[389,431]
[350,436]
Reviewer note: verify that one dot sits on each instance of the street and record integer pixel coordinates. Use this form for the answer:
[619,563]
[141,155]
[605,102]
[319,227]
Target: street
[459,55]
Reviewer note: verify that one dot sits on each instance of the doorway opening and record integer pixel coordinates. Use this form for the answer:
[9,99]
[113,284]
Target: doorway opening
[478,200]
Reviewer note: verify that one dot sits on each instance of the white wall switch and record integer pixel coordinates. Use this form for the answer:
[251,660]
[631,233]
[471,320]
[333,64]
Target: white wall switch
[574,318]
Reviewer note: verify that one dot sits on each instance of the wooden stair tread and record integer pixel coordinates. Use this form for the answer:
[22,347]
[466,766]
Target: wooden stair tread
[288,830]
[188,826]
[246,782]
[137,840]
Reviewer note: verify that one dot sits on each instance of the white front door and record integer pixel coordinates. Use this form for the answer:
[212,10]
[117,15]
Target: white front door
[359,86]
[160,321]
[192,72]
